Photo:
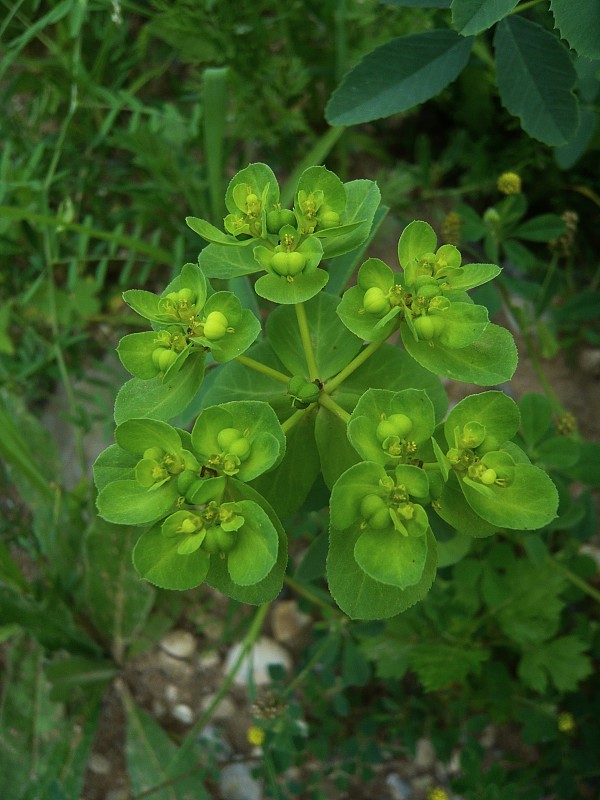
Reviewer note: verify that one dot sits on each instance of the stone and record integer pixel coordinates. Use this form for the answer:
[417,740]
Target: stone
[287,621]
[179,644]
[99,764]
[425,754]
[183,713]
[174,668]
[210,660]
[256,663]
[171,693]
[236,783]
[398,789]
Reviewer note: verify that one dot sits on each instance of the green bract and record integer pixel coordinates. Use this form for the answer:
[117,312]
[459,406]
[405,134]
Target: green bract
[322,410]
[241,439]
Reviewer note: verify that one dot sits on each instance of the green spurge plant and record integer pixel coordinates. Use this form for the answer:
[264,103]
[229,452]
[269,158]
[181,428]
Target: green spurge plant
[344,389]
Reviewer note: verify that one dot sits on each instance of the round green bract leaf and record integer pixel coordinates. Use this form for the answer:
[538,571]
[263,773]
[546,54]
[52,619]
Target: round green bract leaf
[417,239]
[463,324]
[495,411]
[453,508]
[414,478]
[320,179]
[135,352]
[220,261]
[375,273]
[262,182]
[489,360]
[375,406]
[157,559]
[391,558]
[161,399]
[366,326]
[255,550]
[269,587]
[278,289]
[362,201]
[137,435]
[471,275]
[356,483]
[246,327]
[212,234]
[190,277]
[336,454]
[260,427]
[113,464]
[125,502]
[360,596]
[529,503]
[144,303]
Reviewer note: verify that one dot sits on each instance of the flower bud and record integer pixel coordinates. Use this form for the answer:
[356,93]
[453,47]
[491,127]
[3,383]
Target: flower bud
[227,436]
[375,301]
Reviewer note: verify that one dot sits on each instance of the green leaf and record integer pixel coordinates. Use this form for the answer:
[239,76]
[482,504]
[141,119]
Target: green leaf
[472,275]
[269,587]
[260,427]
[335,451]
[137,435]
[390,557]
[256,545]
[287,487]
[341,269]
[358,595]
[242,327]
[378,404]
[416,239]
[569,154]
[220,261]
[214,235]
[498,414]
[489,360]
[562,662]
[470,17]
[528,503]
[397,76]
[362,201]
[579,23]
[114,464]
[261,180]
[157,560]
[333,345]
[536,77]
[525,599]
[278,289]
[453,508]
[536,417]
[125,502]
[391,368]
[438,666]
[152,759]
[160,399]
[116,601]
[541,229]
[135,352]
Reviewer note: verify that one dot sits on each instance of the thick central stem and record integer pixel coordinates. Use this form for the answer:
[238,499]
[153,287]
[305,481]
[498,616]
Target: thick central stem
[360,359]
[309,353]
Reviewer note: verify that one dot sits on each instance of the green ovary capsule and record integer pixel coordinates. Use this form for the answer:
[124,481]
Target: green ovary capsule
[428,327]
[375,301]
[375,512]
[395,425]
[215,326]
[163,358]
[288,264]
[329,219]
[240,448]
[227,436]
[488,477]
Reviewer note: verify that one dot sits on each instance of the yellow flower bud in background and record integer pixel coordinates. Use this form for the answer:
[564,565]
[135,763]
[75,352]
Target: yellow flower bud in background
[437,794]
[255,735]
[509,183]
[565,722]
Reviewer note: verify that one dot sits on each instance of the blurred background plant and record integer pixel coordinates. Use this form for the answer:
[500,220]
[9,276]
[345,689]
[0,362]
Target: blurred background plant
[121,118]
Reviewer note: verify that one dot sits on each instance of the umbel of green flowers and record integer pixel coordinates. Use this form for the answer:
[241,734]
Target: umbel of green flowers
[341,392]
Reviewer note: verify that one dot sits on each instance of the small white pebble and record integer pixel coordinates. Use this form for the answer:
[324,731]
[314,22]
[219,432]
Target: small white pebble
[180,644]
[183,713]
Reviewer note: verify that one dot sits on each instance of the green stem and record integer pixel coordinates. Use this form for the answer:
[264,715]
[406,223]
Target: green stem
[292,421]
[577,581]
[259,367]
[308,595]
[525,6]
[360,359]
[157,253]
[309,353]
[329,403]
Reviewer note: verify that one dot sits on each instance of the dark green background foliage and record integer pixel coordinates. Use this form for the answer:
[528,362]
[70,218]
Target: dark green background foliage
[121,120]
